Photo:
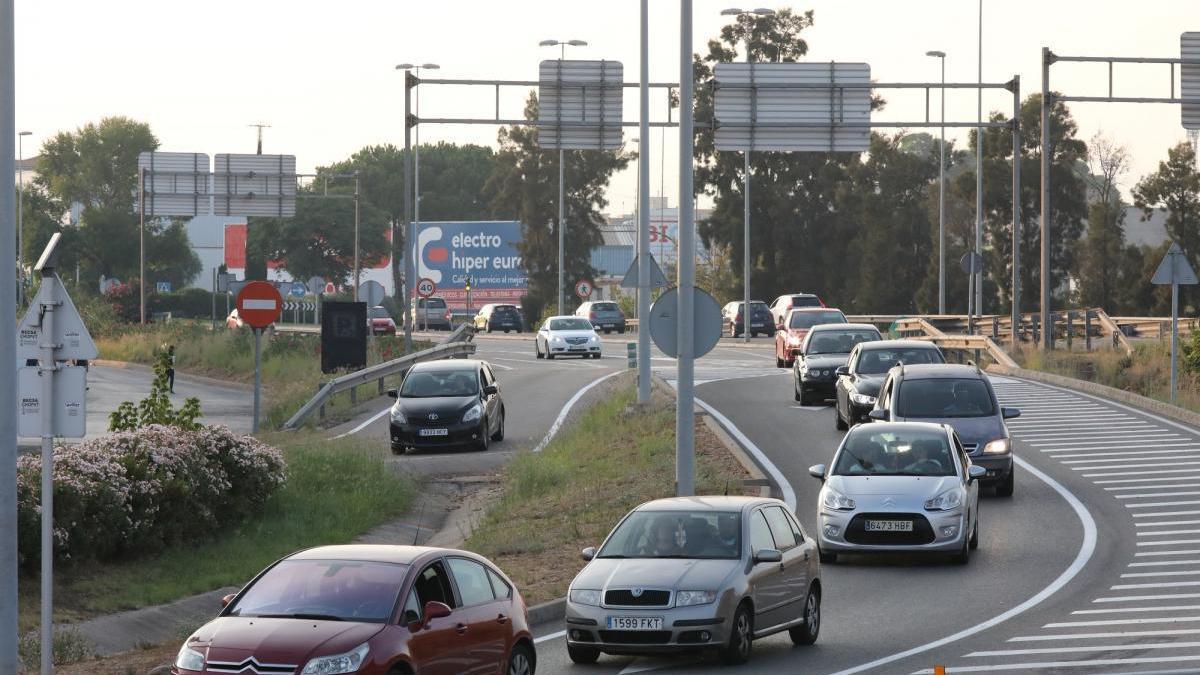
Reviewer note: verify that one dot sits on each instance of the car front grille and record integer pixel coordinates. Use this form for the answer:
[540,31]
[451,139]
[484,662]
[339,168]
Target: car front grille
[922,533]
[625,598]
[442,420]
[970,448]
[250,665]
[577,340]
[635,637]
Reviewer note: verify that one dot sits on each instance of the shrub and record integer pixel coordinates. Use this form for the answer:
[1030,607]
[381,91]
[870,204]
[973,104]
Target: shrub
[142,490]
[156,408]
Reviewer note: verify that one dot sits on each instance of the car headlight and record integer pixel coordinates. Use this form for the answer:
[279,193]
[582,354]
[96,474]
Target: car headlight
[473,414]
[582,596]
[948,500]
[836,501]
[398,416]
[189,659]
[594,338]
[556,338]
[862,399]
[338,663]
[998,446]
[689,598]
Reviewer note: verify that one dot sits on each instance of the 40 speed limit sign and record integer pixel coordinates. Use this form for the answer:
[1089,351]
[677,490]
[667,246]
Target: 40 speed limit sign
[426,287]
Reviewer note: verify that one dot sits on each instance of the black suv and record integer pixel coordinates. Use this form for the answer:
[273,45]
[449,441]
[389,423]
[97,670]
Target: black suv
[962,397]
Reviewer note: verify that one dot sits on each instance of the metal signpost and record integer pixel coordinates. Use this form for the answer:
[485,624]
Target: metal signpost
[633,276]
[52,401]
[1174,270]
[371,292]
[259,305]
[1189,100]
[663,323]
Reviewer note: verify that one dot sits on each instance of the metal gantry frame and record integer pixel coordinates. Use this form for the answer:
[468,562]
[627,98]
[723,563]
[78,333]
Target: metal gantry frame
[1049,58]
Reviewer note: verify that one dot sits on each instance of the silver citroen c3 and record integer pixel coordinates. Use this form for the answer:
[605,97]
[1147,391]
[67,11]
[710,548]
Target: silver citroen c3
[696,574]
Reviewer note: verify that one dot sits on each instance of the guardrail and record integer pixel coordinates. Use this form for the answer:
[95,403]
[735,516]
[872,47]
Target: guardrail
[378,372]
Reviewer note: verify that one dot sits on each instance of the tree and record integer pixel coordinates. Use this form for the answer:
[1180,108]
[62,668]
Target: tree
[524,185]
[96,167]
[1175,187]
[1100,260]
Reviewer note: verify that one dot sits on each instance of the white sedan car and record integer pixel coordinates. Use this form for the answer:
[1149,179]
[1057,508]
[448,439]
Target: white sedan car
[562,335]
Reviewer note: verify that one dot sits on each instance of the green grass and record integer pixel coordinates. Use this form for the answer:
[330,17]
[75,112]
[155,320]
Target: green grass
[291,364]
[569,496]
[335,492]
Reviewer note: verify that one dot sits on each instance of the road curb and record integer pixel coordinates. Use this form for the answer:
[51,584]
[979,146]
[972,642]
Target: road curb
[203,379]
[552,610]
[1112,393]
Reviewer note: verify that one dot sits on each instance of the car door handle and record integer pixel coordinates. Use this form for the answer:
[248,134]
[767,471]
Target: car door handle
[501,619]
[461,628]
[781,568]
[806,556]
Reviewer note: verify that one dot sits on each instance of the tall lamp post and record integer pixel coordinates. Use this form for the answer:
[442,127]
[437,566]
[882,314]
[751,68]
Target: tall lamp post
[416,165]
[978,273]
[562,45]
[941,191]
[21,215]
[733,11]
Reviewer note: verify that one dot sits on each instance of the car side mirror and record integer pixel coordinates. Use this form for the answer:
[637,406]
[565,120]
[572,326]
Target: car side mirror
[491,390]
[878,414]
[1011,413]
[975,472]
[393,393]
[842,371]
[228,599]
[435,610]
[588,553]
[768,555]
[817,471]
[778,326]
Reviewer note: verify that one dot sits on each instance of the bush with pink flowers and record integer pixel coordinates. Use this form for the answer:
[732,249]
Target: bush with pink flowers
[135,492]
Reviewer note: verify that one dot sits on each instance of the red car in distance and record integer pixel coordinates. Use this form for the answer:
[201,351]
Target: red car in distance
[373,610]
[789,334]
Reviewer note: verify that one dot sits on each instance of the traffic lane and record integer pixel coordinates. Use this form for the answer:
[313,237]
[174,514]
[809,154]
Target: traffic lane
[534,391]
[108,387]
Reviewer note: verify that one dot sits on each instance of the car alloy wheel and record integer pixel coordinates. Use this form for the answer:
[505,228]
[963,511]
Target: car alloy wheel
[499,435]
[519,661]
[741,636]
[484,435]
[806,633]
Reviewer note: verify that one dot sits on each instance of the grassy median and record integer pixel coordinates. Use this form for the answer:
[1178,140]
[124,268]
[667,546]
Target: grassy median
[1147,371]
[335,491]
[612,458]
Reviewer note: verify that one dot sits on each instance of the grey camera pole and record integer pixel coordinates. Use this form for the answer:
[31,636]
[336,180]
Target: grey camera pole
[49,302]
[643,291]
[257,375]
[561,229]
[685,415]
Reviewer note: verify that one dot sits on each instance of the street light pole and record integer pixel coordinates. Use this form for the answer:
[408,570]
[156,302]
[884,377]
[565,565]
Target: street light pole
[643,211]
[979,175]
[357,266]
[21,216]
[417,143]
[685,414]
[562,226]
[941,191]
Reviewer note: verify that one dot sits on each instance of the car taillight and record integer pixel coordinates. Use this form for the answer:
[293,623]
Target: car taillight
[820,301]
[447,315]
[592,316]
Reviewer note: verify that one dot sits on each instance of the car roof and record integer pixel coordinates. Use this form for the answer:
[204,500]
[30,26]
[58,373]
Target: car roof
[405,555]
[704,503]
[930,371]
[895,344]
[798,295]
[563,316]
[446,365]
[808,310]
[897,427]
[822,327]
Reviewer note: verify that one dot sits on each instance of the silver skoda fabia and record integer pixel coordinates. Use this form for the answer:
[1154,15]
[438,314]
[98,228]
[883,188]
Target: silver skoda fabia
[696,573]
[899,487]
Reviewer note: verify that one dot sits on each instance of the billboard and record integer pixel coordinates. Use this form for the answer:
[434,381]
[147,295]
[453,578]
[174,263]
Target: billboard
[486,251]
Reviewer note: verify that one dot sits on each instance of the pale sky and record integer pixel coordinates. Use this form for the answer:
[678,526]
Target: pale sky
[321,73]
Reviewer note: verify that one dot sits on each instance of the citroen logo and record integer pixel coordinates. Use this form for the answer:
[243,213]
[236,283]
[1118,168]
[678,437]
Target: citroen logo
[433,416]
[636,592]
[888,501]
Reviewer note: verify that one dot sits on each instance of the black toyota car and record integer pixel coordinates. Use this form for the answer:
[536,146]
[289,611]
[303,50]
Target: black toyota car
[825,349]
[447,403]
[859,380]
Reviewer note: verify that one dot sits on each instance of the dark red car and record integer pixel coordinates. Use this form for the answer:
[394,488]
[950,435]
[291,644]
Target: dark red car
[789,334]
[374,610]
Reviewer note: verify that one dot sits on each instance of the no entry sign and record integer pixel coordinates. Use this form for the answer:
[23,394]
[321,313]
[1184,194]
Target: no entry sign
[259,304]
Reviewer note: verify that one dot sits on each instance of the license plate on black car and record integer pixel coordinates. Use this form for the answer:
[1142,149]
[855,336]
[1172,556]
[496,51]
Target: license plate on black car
[435,432]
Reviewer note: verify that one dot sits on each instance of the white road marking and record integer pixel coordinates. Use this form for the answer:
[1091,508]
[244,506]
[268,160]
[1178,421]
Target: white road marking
[1162,514]
[1134,466]
[1113,634]
[566,409]
[1122,610]
[789,494]
[1174,573]
[1089,648]
[1147,505]
[364,425]
[812,408]
[501,367]
[1173,542]
[1142,598]
[1091,663]
[1165,553]
[1163,523]
[1123,622]
[1171,584]
[1162,563]
[548,637]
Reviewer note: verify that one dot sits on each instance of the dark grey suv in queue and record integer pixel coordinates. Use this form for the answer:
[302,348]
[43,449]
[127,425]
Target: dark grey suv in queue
[962,397]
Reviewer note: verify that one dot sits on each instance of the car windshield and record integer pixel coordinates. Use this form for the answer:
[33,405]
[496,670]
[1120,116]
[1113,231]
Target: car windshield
[838,341]
[910,452]
[805,301]
[380,313]
[676,534]
[604,307]
[570,324]
[332,590]
[939,397]
[879,361]
[439,383]
[810,319]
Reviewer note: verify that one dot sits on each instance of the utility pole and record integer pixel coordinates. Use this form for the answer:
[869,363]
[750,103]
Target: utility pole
[643,291]
[357,265]
[685,415]
[979,174]
[260,127]
[9,663]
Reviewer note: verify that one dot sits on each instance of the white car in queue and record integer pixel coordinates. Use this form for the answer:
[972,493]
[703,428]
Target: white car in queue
[567,335]
[899,487]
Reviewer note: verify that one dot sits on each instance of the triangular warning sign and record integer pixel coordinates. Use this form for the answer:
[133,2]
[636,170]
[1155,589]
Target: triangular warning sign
[657,278]
[1174,269]
[75,343]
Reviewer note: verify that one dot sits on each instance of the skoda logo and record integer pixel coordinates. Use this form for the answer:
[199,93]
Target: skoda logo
[433,416]
[637,592]
[888,501]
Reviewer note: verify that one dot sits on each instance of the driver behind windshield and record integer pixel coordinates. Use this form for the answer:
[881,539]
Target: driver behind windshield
[662,541]
[926,457]
[963,402]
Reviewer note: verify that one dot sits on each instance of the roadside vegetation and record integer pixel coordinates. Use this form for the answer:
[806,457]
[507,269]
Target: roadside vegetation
[291,361]
[567,497]
[333,493]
